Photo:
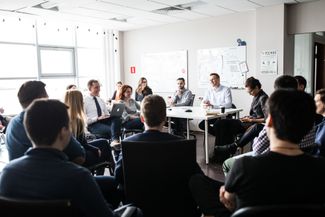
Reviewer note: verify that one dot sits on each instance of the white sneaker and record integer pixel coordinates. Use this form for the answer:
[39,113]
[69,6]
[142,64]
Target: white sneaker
[116,145]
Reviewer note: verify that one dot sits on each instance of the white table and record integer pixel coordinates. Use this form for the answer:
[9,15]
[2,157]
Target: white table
[201,114]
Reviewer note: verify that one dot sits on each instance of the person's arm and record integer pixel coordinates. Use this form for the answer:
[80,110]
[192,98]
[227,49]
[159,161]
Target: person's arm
[187,99]
[261,144]
[228,98]
[75,151]
[88,197]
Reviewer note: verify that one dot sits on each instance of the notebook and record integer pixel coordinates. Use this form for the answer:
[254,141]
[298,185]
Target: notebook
[117,109]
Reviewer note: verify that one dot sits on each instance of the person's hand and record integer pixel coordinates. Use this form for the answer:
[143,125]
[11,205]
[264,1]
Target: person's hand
[227,198]
[246,119]
[103,117]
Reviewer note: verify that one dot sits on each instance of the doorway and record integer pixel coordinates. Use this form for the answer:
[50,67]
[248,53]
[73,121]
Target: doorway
[319,66]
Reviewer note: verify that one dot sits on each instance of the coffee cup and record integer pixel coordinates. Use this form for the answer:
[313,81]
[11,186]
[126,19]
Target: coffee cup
[222,108]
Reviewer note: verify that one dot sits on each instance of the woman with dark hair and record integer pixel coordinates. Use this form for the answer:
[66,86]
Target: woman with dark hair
[131,115]
[227,129]
[142,90]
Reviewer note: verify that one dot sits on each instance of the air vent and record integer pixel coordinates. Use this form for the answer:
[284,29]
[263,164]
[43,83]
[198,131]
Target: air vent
[175,9]
[48,5]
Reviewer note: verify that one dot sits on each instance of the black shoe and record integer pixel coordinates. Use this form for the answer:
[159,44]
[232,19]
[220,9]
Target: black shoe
[229,149]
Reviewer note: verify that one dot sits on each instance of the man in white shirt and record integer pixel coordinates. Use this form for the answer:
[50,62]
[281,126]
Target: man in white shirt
[181,97]
[216,96]
[98,119]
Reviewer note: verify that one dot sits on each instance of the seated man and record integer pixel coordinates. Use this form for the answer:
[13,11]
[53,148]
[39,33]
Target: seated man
[285,175]
[216,96]
[320,134]
[153,114]
[16,138]
[44,172]
[98,118]
[181,97]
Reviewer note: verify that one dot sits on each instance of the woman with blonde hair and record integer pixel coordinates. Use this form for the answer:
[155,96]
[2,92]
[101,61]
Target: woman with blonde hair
[131,115]
[97,150]
[142,90]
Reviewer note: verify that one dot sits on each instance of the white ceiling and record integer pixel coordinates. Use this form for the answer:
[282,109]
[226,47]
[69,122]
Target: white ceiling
[133,14]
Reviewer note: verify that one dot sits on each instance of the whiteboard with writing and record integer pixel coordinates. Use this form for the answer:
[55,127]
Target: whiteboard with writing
[162,69]
[227,62]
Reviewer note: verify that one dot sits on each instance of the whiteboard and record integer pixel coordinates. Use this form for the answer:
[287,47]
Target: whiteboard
[226,61]
[162,69]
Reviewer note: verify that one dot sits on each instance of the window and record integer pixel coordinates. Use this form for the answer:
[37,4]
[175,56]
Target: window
[57,61]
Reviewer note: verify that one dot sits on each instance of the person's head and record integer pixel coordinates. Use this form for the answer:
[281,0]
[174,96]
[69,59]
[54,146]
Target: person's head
[291,115]
[252,86]
[180,83]
[125,92]
[320,101]
[142,82]
[302,83]
[153,111]
[47,123]
[119,85]
[71,87]
[30,91]
[215,80]
[285,82]
[94,87]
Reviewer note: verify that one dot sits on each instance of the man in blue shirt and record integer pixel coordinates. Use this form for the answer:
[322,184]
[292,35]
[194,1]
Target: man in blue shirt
[44,172]
[16,139]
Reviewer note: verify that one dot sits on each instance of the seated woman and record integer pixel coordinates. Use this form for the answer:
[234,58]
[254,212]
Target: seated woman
[142,90]
[98,150]
[130,116]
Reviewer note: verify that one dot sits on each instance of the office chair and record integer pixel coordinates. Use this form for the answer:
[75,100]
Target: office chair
[156,176]
[282,210]
[191,104]
[37,208]
[128,132]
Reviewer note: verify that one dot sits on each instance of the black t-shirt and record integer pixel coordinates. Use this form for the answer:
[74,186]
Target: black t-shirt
[273,178]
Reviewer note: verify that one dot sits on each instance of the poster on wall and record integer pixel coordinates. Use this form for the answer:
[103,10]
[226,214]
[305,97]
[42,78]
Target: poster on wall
[269,62]
[162,69]
[229,62]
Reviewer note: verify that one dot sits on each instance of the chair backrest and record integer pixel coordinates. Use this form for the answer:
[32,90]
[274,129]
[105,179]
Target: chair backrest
[156,176]
[13,207]
[284,210]
[192,100]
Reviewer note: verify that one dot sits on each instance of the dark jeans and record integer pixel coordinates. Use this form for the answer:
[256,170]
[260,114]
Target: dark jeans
[133,124]
[108,186]
[108,128]
[179,125]
[205,192]
[250,134]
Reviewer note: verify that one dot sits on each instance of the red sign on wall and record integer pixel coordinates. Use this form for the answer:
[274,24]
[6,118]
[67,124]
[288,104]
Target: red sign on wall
[132,69]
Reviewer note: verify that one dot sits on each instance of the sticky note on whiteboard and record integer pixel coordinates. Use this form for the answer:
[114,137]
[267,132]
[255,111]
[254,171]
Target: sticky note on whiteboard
[243,67]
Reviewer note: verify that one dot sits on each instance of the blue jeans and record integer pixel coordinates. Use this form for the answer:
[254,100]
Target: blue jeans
[108,186]
[133,124]
[108,128]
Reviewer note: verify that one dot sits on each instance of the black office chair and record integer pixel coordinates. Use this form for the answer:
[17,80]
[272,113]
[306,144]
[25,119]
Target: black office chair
[10,207]
[284,210]
[128,132]
[156,176]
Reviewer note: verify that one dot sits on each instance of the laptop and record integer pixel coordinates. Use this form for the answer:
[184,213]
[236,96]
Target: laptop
[117,109]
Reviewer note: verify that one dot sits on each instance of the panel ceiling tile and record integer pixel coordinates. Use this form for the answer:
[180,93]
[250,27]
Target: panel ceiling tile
[212,10]
[235,5]
[189,15]
[273,2]
[91,13]
[173,2]
[18,4]
[136,4]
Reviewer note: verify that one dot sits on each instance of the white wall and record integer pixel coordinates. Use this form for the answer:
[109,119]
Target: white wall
[221,31]
[307,17]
